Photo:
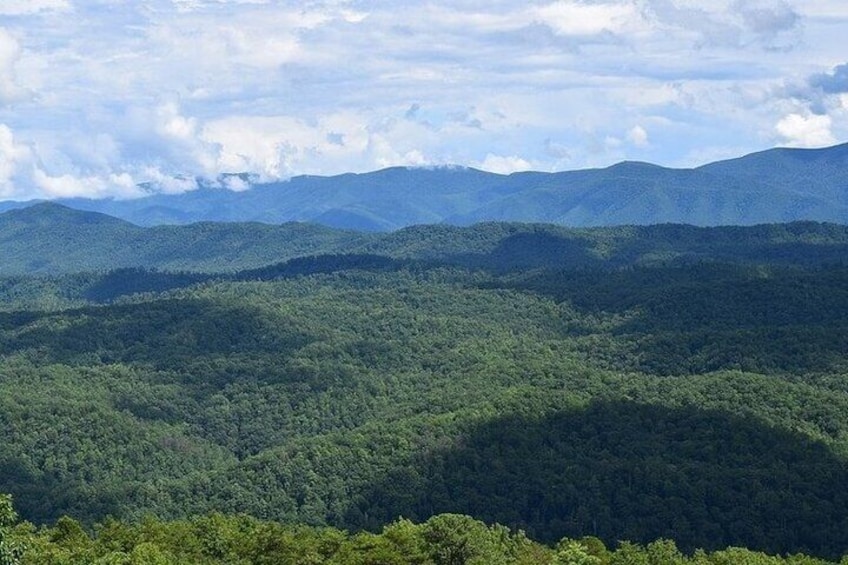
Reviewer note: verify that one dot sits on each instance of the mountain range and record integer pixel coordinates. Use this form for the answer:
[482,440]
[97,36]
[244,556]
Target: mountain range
[50,239]
[777,185]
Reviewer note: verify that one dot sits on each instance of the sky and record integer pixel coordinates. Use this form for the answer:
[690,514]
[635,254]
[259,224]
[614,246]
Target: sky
[107,98]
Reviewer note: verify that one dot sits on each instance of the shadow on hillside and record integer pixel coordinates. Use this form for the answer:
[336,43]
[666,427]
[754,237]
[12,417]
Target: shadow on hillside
[128,281]
[526,251]
[728,247]
[709,317]
[42,499]
[627,471]
[164,333]
[538,249]
[660,245]
[806,254]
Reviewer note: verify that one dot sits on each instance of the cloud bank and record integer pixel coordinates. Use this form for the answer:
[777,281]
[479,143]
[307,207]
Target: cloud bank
[98,98]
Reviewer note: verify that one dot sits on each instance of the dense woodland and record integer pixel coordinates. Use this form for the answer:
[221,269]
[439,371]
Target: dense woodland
[445,539]
[575,387]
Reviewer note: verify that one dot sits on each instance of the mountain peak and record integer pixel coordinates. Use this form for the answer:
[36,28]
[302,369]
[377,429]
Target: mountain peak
[640,166]
[49,213]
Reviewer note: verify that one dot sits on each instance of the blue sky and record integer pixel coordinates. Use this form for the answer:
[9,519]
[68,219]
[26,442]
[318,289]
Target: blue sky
[99,96]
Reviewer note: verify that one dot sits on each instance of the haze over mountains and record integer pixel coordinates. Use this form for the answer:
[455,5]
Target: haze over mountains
[50,239]
[777,185]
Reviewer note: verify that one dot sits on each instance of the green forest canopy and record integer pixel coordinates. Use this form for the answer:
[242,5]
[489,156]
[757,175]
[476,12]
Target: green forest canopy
[626,390]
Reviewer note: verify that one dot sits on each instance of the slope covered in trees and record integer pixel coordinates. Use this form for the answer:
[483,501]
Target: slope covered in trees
[629,383]
[50,239]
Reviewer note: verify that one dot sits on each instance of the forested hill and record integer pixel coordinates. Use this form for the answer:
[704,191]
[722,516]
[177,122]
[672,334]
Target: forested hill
[569,405]
[778,185]
[52,239]
[627,383]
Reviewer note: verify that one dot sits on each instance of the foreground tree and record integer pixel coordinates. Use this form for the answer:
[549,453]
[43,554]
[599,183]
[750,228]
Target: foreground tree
[10,550]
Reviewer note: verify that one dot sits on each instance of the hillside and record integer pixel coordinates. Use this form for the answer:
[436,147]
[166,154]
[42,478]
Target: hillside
[49,238]
[777,185]
[52,239]
[626,383]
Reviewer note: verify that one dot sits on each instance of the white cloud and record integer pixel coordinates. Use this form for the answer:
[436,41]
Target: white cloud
[569,17]
[260,144]
[828,9]
[10,53]
[68,186]
[281,146]
[167,183]
[22,7]
[191,5]
[504,165]
[172,124]
[12,156]
[21,177]
[638,136]
[806,130]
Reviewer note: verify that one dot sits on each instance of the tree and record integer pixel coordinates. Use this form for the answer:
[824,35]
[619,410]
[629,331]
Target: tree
[455,539]
[572,552]
[10,550]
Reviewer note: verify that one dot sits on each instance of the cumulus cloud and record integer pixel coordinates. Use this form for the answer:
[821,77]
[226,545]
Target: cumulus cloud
[172,124]
[166,183]
[12,156]
[160,93]
[23,177]
[22,7]
[769,23]
[569,17]
[818,108]
[281,146]
[67,185]
[767,18]
[504,165]
[10,53]
[638,136]
[806,130]
[833,82]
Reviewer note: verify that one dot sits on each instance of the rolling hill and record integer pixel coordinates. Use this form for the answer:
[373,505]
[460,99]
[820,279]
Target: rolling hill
[52,239]
[49,238]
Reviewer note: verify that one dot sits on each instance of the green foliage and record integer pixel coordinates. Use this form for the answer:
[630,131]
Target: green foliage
[572,552]
[450,539]
[49,239]
[630,383]
[11,550]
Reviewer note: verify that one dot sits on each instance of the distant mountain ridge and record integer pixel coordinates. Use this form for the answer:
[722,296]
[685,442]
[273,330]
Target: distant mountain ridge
[773,186]
[50,239]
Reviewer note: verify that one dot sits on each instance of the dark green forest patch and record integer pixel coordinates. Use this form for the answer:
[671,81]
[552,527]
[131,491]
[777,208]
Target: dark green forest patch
[622,470]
